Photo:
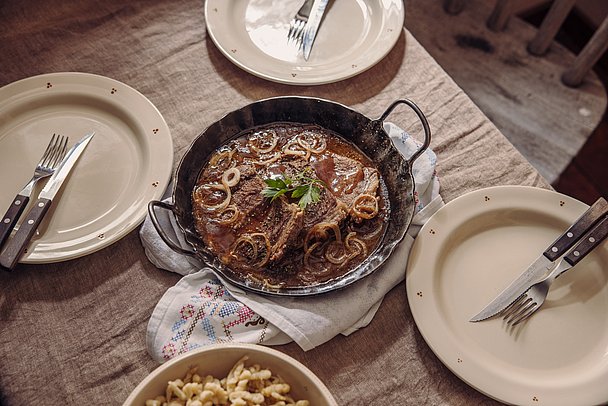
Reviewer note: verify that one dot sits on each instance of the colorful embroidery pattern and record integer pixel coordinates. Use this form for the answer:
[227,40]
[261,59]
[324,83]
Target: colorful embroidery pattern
[211,316]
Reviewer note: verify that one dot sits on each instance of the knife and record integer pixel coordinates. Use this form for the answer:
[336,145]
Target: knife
[592,239]
[312,26]
[16,245]
[546,261]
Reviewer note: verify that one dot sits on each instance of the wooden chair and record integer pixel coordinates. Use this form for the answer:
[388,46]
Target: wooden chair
[545,100]
[573,75]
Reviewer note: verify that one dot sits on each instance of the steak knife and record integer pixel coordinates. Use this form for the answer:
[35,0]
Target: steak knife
[546,261]
[592,240]
[312,26]
[16,245]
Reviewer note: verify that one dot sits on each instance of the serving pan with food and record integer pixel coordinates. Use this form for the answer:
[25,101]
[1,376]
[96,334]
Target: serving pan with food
[293,195]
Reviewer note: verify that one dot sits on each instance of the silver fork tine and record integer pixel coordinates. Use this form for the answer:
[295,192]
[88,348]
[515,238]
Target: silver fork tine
[522,311]
[54,153]
[60,152]
[297,24]
[525,313]
[294,25]
[295,30]
[298,29]
[48,152]
[514,307]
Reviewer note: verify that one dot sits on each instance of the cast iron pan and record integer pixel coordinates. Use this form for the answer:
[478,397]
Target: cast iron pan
[365,133]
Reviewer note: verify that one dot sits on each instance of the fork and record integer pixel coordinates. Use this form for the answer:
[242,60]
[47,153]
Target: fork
[297,24]
[528,303]
[52,156]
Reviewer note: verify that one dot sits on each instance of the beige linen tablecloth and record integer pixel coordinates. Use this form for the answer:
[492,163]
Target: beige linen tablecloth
[73,333]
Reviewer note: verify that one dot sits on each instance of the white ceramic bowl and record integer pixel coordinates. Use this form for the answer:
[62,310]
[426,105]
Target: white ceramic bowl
[218,359]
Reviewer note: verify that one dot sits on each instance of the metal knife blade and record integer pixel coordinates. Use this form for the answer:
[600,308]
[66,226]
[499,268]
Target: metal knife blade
[545,262]
[312,26]
[16,245]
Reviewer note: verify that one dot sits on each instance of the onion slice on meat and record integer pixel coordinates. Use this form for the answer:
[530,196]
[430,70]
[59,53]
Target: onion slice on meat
[220,206]
[244,239]
[273,143]
[319,232]
[270,160]
[288,150]
[233,217]
[318,144]
[309,252]
[266,256]
[365,206]
[217,158]
[231,177]
[250,239]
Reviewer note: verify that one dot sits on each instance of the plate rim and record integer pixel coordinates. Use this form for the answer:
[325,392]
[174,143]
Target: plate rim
[160,151]
[416,281]
[293,76]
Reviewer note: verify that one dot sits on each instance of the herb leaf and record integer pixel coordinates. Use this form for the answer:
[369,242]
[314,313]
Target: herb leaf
[273,193]
[300,191]
[276,183]
[302,187]
[311,194]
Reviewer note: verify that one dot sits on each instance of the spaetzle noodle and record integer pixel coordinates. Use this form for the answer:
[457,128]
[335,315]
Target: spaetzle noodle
[244,386]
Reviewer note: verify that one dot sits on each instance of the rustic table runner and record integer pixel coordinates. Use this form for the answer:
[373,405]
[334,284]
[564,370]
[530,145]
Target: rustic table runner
[74,332]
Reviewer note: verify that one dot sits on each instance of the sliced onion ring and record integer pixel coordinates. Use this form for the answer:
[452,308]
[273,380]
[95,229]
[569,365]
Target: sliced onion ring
[231,177]
[224,203]
[329,255]
[310,147]
[273,144]
[309,252]
[215,159]
[244,239]
[365,206]
[250,239]
[270,160]
[288,151]
[367,234]
[320,149]
[319,230]
[266,257]
[350,240]
[233,218]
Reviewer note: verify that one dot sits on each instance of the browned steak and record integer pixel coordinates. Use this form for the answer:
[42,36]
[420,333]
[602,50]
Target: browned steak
[327,209]
[247,196]
[346,178]
[282,225]
[282,221]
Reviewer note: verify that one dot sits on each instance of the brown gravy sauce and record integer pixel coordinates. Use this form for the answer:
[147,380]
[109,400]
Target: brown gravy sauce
[278,243]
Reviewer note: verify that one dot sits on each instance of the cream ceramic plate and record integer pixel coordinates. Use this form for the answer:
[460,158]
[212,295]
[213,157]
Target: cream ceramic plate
[127,163]
[466,254]
[353,36]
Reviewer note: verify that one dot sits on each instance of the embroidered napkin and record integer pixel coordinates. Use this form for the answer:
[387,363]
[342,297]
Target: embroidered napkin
[203,309]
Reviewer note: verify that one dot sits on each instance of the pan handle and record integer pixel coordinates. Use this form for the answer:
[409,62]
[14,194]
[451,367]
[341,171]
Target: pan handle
[421,116]
[173,245]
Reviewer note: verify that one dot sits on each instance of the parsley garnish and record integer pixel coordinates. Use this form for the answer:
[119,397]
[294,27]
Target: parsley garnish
[301,187]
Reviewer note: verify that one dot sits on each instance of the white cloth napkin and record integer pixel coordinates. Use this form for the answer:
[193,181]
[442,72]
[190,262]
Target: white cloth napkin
[203,309]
